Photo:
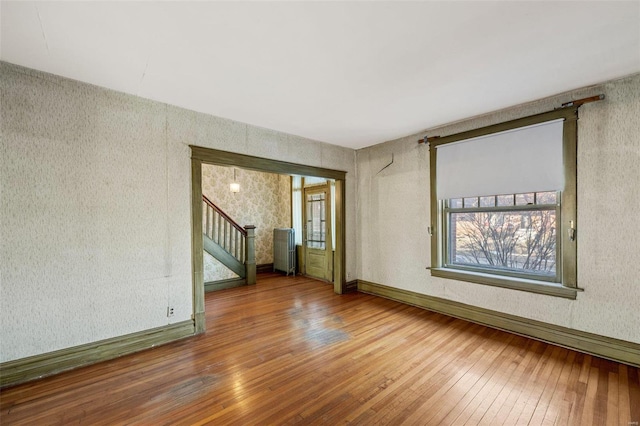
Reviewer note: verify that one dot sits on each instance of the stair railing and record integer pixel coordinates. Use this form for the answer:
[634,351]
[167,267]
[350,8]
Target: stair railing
[223,230]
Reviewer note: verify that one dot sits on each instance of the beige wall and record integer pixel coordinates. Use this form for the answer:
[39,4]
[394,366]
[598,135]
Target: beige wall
[95,237]
[264,201]
[95,222]
[393,215]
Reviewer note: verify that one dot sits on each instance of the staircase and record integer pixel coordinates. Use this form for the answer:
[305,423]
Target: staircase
[229,242]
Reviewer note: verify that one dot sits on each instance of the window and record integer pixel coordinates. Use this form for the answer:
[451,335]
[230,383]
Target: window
[510,235]
[316,222]
[503,199]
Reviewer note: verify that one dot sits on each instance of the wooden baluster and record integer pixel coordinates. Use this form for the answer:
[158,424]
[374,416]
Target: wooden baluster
[214,221]
[206,229]
[225,232]
[214,218]
[224,241]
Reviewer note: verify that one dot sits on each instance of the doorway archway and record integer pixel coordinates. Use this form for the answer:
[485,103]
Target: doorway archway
[200,155]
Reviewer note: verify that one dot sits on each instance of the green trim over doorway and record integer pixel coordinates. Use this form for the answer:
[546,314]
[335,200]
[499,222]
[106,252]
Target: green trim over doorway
[249,162]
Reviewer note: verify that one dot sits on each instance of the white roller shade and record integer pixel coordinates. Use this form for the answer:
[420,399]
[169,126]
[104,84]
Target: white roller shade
[521,160]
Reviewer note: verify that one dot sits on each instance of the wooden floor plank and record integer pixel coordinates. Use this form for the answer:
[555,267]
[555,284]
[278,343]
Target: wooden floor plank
[462,409]
[624,410]
[290,351]
[445,399]
[431,377]
[494,401]
[552,411]
[514,401]
[543,399]
[612,399]
[634,395]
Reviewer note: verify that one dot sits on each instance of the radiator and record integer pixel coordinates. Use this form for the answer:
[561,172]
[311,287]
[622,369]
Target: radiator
[284,250]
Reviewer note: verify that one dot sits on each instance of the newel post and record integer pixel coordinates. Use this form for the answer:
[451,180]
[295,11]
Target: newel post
[250,262]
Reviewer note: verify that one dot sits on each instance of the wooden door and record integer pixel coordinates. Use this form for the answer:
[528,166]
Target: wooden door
[317,232]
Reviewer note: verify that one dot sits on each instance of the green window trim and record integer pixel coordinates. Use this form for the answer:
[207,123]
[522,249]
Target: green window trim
[567,225]
[532,286]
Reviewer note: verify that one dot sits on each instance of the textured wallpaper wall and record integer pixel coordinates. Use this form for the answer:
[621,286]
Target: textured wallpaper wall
[264,201]
[92,236]
[95,222]
[393,215]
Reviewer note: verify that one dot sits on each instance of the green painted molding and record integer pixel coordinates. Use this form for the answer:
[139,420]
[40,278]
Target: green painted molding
[264,268]
[540,287]
[250,255]
[224,284]
[200,320]
[47,364]
[197,246]
[339,255]
[567,113]
[249,162]
[602,346]
[351,286]
[224,257]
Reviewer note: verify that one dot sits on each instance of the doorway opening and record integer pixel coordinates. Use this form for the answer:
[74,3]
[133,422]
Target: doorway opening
[234,198]
[200,156]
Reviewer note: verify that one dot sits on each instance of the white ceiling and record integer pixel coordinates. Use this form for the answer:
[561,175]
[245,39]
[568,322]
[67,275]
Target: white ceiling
[348,73]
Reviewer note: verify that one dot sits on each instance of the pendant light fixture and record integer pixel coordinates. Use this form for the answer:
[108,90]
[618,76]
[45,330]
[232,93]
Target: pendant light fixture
[235,186]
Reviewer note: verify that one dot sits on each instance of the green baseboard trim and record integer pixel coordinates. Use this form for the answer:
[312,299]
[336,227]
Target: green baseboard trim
[593,344]
[224,284]
[351,286]
[264,268]
[200,321]
[44,365]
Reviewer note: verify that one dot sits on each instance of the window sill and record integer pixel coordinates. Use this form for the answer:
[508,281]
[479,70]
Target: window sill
[531,286]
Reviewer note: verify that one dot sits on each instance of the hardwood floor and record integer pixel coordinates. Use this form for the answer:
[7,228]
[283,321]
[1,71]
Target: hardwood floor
[288,350]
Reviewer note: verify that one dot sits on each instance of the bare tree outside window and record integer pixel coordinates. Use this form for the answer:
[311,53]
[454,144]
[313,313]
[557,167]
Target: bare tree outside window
[512,240]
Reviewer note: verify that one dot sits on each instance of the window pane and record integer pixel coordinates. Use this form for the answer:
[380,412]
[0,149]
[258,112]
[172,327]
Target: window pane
[471,202]
[519,241]
[455,203]
[524,199]
[505,200]
[547,197]
[316,226]
[488,201]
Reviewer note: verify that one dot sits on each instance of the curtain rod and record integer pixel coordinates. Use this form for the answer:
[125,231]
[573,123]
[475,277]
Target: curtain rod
[576,103]
[583,101]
